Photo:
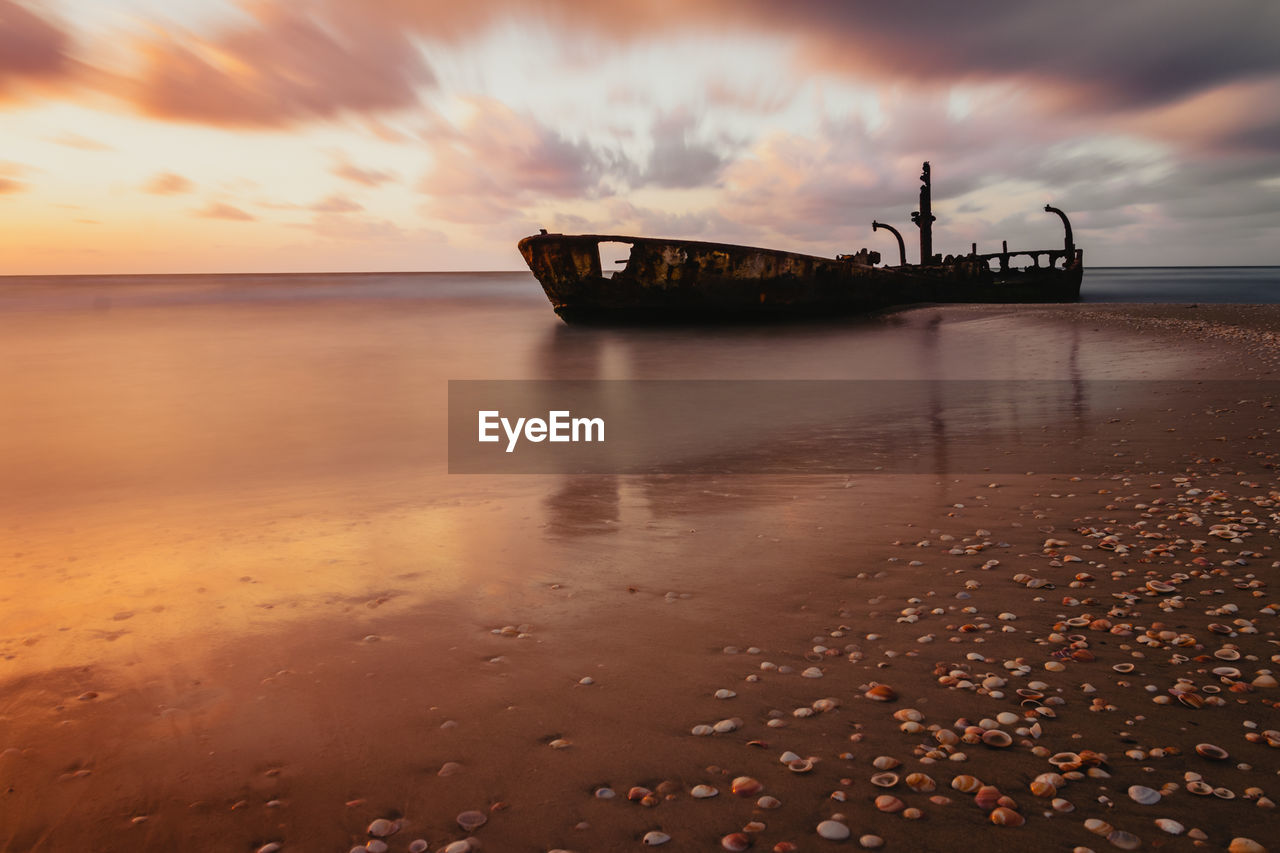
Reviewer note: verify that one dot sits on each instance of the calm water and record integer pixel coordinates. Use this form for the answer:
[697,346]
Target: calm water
[207,482]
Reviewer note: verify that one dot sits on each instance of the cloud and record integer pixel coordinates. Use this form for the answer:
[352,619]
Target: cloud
[8,185]
[348,171]
[84,143]
[500,159]
[168,183]
[678,160]
[336,204]
[340,226]
[31,48]
[291,63]
[220,210]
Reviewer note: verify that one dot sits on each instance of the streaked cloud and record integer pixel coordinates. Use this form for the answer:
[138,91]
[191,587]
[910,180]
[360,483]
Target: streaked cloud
[9,185]
[348,171]
[168,183]
[32,48]
[83,143]
[336,204]
[290,63]
[221,210]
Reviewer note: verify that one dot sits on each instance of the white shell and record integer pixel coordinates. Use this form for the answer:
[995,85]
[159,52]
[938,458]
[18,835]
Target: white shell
[703,792]
[1170,826]
[654,838]
[1143,794]
[833,830]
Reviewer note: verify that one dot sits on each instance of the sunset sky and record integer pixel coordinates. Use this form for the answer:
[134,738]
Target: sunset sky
[305,135]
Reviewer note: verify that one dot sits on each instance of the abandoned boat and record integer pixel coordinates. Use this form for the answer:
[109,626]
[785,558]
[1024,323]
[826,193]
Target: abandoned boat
[666,279]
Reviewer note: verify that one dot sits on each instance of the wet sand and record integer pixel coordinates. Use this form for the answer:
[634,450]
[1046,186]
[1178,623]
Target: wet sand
[286,657]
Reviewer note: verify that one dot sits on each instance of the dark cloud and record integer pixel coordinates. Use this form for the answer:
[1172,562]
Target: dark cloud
[168,183]
[220,210]
[292,63]
[678,159]
[32,49]
[500,159]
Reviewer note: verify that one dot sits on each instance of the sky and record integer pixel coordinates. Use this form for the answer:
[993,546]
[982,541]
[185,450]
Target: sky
[189,136]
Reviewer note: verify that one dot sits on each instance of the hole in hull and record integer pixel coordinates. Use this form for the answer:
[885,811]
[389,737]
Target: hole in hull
[614,257]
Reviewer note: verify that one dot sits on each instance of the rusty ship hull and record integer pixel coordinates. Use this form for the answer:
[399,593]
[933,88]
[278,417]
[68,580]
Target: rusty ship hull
[692,280]
[673,280]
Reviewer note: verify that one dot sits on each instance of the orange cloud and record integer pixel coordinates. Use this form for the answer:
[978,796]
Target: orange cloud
[288,65]
[368,177]
[84,143]
[219,210]
[336,204]
[31,48]
[168,183]
[8,185]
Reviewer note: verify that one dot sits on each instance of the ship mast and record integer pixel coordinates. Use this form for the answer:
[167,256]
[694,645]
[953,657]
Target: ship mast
[924,218]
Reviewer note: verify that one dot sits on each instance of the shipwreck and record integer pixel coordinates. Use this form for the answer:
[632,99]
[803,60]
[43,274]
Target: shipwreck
[672,280]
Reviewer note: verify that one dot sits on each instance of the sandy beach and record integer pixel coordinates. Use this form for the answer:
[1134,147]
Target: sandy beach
[345,652]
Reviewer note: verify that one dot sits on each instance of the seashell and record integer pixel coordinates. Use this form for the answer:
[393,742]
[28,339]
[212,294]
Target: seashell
[889,803]
[1227,654]
[1265,680]
[1062,806]
[1161,587]
[912,813]
[1054,779]
[472,820]
[724,693]
[824,705]
[1170,826]
[1124,840]
[726,726]
[811,672]
[987,797]
[881,693]
[1144,795]
[463,846]
[703,792]
[1098,827]
[1226,672]
[1224,793]
[1200,787]
[1041,788]
[745,786]
[997,738]
[418,845]
[871,842]
[653,838]
[768,802]
[1062,759]
[736,842]
[833,830]
[885,762]
[788,757]
[382,828]
[921,782]
[1212,752]
[966,784]
[1245,845]
[702,730]
[605,793]
[1006,817]
[884,780]
[786,847]
[904,715]
[801,765]
[1123,667]
[639,792]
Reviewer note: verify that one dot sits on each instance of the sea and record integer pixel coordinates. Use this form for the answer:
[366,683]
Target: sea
[229,525]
